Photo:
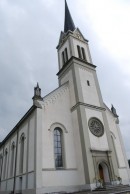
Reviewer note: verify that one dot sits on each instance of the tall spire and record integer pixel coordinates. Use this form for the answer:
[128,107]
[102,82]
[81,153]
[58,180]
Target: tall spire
[69,24]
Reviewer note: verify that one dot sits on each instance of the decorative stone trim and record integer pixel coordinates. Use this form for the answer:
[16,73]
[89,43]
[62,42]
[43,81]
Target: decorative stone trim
[53,97]
[62,169]
[54,125]
[96,127]
[87,105]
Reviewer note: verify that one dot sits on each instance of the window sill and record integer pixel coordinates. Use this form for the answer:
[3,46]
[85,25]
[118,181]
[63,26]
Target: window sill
[59,169]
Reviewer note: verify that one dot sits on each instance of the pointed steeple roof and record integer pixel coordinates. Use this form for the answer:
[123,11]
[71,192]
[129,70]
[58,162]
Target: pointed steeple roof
[69,24]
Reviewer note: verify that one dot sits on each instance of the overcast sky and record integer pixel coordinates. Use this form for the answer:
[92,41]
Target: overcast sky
[29,34]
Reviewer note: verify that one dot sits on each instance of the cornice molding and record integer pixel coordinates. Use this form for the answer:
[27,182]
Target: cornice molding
[87,105]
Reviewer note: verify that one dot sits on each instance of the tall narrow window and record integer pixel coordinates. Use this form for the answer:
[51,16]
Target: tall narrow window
[58,147]
[5,164]
[88,82]
[66,55]
[83,53]
[21,153]
[79,51]
[63,57]
[1,163]
[113,143]
[12,159]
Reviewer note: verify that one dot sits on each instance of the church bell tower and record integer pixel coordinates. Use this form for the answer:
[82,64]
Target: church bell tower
[87,107]
[75,63]
[72,43]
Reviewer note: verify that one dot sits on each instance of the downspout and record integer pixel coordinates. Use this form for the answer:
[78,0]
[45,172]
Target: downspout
[15,164]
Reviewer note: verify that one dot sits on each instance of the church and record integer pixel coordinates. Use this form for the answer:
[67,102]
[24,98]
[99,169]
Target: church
[69,140]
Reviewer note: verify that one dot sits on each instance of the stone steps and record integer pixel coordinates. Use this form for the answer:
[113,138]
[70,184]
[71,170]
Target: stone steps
[112,189]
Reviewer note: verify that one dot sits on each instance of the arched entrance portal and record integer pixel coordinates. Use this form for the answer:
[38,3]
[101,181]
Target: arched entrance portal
[104,172]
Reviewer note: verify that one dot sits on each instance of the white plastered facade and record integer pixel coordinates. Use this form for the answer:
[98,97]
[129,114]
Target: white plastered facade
[70,107]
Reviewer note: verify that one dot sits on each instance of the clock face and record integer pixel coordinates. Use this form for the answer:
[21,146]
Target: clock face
[96,127]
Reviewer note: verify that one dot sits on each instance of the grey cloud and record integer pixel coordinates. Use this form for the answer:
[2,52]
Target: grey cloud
[27,55]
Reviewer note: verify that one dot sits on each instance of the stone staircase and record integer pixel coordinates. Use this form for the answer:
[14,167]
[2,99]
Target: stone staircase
[109,189]
[112,189]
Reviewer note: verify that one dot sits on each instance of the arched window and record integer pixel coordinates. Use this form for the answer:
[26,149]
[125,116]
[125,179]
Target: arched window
[5,164]
[22,139]
[12,159]
[65,56]
[1,163]
[81,52]
[58,147]
[114,147]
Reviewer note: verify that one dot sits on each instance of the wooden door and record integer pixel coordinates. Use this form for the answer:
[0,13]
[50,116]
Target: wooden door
[101,172]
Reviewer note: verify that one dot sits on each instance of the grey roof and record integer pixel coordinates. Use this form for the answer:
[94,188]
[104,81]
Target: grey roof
[69,24]
[18,124]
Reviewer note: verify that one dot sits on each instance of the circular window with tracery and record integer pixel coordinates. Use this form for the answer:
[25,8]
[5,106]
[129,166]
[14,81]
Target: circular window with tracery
[96,127]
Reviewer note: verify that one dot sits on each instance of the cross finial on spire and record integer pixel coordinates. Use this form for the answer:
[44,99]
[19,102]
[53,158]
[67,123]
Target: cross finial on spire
[69,24]
[37,85]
